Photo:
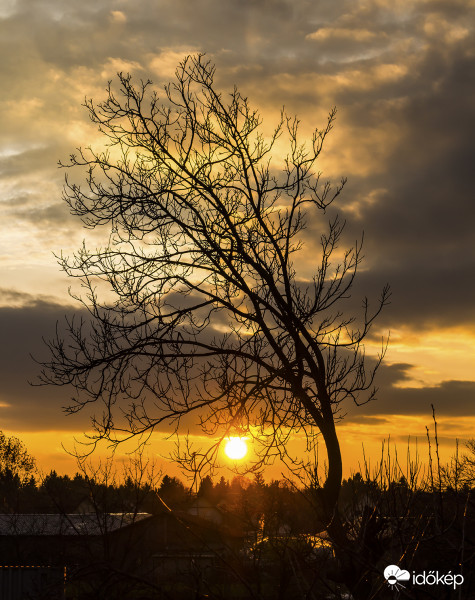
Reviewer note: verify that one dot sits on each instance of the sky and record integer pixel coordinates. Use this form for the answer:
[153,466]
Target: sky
[402,76]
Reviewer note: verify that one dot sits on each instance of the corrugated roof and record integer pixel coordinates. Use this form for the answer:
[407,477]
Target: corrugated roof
[70,524]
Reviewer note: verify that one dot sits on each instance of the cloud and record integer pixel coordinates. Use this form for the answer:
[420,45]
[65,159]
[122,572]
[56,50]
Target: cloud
[26,323]
[396,397]
[117,16]
[401,74]
[22,327]
[27,320]
[339,33]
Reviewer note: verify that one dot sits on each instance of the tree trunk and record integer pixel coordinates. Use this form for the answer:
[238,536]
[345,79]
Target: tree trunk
[354,572]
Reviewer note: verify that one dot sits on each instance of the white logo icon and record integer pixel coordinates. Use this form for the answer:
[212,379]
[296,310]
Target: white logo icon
[394,575]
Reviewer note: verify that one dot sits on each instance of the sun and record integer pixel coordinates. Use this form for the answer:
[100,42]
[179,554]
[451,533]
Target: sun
[236,448]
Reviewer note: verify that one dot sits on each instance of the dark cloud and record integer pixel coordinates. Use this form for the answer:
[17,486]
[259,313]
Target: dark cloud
[415,203]
[25,405]
[425,294]
[395,396]
[32,408]
[54,215]
[33,159]
[27,408]
[419,231]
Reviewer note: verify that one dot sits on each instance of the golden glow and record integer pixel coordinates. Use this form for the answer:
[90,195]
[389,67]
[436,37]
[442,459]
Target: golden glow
[47,446]
[236,448]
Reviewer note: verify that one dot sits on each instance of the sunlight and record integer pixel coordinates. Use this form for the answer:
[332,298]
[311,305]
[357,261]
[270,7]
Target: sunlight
[236,448]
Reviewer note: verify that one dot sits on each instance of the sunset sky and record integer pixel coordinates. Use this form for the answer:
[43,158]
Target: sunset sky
[402,75]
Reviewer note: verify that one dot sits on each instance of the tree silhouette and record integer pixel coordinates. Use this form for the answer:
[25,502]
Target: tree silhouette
[17,473]
[15,459]
[211,313]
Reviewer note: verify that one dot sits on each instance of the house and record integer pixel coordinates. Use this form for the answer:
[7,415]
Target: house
[48,553]
[204,509]
[40,553]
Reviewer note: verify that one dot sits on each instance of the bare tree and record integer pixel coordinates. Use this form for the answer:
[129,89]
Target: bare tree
[211,314]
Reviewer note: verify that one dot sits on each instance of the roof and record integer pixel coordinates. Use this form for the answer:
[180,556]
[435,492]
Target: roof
[67,524]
